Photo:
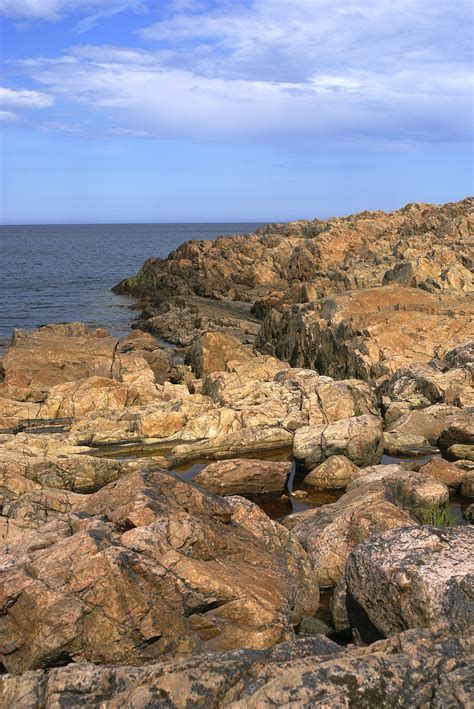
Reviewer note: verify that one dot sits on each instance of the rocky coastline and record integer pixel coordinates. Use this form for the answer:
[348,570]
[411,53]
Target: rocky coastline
[263,495]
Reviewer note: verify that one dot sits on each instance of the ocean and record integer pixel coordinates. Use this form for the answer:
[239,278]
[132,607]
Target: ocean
[62,273]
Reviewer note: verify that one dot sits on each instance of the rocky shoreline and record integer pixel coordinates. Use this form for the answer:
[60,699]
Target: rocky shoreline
[175,516]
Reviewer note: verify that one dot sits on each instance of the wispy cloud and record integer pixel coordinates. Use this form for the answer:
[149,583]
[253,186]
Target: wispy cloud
[56,10]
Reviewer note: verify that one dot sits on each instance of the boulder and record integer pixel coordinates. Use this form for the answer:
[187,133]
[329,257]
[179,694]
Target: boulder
[358,438]
[429,422]
[150,566]
[460,451]
[154,354]
[414,669]
[443,471]
[419,494]
[314,626]
[244,476]
[413,577]
[329,533]
[459,432]
[334,473]
[415,492]
[374,474]
[406,444]
[467,484]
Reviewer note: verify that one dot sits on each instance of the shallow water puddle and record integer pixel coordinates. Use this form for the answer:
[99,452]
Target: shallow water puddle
[297,497]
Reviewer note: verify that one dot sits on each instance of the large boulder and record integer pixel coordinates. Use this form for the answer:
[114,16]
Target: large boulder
[459,432]
[244,476]
[150,566]
[416,492]
[358,438]
[413,577]
[429,422]
[415,669]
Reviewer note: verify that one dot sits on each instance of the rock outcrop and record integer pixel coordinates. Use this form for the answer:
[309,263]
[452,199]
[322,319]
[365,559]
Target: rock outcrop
[372,333]
[324,345]
[303,259]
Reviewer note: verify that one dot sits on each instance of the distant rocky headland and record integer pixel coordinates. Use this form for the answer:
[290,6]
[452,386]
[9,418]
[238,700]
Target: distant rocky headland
[263,495]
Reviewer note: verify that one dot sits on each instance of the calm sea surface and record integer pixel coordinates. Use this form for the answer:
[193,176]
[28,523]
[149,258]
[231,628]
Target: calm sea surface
[65,273]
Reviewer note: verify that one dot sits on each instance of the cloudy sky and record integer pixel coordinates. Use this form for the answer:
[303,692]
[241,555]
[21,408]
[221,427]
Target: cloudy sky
[223,110]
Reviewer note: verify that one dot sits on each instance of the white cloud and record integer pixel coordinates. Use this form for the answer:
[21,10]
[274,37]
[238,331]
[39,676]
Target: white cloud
[292,39]
[55,10]
[137,92]
[372,71]
[24,99]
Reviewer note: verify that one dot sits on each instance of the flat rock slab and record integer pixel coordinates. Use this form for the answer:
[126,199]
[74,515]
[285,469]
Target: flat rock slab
[242,476]
[412,577]
[55,354]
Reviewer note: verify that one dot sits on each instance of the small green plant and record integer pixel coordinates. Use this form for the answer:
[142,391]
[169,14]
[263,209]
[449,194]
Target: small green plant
[357,411]
[436,515]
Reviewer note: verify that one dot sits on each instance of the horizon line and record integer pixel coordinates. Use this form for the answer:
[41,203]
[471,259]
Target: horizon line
[101,223]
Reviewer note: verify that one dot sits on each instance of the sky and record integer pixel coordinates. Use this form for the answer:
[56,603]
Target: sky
[232,110]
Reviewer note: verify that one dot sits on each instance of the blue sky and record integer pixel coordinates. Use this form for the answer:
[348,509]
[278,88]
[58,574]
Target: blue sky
[199,110]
